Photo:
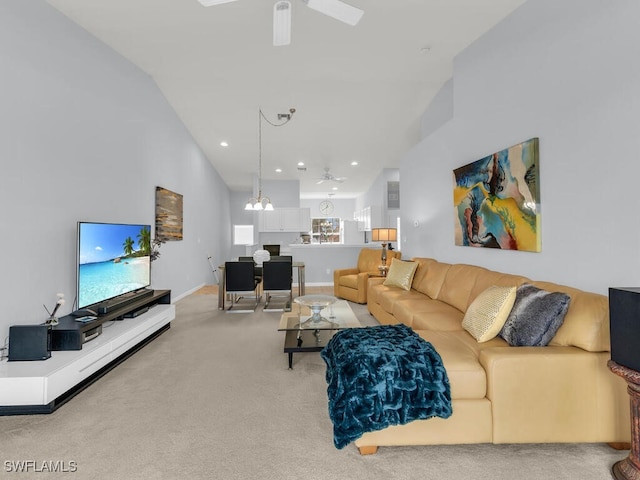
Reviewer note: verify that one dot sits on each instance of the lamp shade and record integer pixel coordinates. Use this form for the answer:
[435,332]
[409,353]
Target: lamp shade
[384,234]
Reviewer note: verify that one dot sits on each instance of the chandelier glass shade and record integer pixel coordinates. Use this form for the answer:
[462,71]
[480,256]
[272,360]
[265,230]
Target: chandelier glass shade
[259,203]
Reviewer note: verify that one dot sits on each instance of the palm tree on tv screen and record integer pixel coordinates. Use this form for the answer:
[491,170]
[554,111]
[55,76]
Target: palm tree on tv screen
[144,240]
[128,246]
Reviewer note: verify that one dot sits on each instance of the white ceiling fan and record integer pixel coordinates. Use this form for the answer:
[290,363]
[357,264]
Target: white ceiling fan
[329,177]
[282,15]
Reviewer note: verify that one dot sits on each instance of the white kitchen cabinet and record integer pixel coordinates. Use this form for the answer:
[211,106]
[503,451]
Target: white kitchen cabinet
[368,218]
[285,220]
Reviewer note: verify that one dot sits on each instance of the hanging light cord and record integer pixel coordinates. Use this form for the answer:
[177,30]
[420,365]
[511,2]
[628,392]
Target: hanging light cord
[287,118]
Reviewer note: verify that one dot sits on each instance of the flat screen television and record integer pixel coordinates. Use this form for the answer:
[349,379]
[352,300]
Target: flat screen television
[113,260]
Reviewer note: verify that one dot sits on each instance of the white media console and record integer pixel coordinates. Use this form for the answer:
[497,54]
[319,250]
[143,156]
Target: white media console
[42,386]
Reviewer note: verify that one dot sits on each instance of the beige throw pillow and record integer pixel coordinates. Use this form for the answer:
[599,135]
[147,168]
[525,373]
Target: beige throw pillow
[401,274]
[488,313]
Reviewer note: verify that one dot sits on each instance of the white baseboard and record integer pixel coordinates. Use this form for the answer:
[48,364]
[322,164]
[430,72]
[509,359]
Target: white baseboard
[187,293]
[319,284]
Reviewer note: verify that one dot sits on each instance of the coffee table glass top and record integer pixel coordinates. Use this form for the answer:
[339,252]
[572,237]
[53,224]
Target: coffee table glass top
[335,315]
[316,303]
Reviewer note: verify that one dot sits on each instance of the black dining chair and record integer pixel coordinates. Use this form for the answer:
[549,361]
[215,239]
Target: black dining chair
[277,280]
[257,269]
[281,258]
[240,280]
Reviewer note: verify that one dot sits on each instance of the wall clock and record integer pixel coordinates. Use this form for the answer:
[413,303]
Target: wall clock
[326,207]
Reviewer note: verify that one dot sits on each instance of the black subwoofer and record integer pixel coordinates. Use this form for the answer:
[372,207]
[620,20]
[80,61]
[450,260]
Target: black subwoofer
[624,324]
[29,342]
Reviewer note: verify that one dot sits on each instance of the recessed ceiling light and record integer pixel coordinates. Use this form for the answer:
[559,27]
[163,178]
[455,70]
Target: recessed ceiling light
[209,3]
[278,170]
[301,164]
[334,188]
[224,144]
[354,163]
[425,50]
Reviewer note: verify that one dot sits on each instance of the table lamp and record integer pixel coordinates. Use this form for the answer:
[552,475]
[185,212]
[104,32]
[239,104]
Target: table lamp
[386,236]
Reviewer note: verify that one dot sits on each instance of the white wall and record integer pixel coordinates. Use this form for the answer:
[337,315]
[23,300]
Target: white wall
[440,110]
[566,72]
[85,135]
[376,197]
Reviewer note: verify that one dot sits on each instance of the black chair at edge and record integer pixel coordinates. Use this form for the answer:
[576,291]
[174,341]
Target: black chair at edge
[240,279]
[273,250]
[277,278]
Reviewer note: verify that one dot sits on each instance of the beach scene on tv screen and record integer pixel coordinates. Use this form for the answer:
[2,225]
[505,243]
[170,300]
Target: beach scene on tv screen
[113,260]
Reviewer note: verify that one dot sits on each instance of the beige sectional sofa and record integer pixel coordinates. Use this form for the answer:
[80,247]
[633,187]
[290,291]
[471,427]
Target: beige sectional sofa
[562,392]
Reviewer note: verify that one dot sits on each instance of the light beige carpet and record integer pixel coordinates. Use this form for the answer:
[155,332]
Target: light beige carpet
[213,398]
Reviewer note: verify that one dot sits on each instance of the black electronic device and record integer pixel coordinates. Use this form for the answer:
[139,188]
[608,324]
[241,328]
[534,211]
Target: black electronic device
[29,342]
[624,324]
[123,301]
[136,313]
[68,336]
[71,334]
[83,312]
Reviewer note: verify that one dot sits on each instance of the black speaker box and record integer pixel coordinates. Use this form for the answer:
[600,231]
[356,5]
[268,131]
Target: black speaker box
[66,339]
[624,324]
[29,342]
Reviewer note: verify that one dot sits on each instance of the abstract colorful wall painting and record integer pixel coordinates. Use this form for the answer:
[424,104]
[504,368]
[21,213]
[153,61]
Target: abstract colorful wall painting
[497,200]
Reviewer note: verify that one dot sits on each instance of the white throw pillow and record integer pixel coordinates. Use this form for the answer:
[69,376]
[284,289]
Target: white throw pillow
[488,313]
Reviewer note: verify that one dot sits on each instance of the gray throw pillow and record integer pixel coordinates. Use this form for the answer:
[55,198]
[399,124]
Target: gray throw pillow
[535,317]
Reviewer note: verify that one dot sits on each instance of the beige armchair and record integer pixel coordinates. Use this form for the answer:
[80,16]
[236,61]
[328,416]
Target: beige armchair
[351,283]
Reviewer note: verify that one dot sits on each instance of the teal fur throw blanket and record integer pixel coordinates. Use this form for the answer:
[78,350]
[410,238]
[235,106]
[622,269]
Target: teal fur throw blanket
[382,376]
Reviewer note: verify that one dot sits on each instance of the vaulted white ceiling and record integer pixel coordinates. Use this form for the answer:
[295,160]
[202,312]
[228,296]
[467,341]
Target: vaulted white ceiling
[359,92]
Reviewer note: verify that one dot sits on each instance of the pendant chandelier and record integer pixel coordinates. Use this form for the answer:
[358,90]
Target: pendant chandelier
[262,202]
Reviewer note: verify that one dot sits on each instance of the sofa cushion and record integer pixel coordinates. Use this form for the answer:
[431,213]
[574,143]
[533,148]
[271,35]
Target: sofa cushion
[536,316]
[421,271]
[487,314]
[374,288]
[490,278]
[458,284]
[422,313]
[401,274]
[350,281]
[586,324]
[387,298]
[466,376]
[430,276]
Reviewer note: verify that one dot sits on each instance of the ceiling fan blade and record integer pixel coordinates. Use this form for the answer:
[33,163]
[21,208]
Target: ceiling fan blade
[281,23]
[320,181]
[336,9]
[209,3]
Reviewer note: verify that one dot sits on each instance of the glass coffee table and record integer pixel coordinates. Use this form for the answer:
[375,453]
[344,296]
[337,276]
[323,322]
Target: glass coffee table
[313,320]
